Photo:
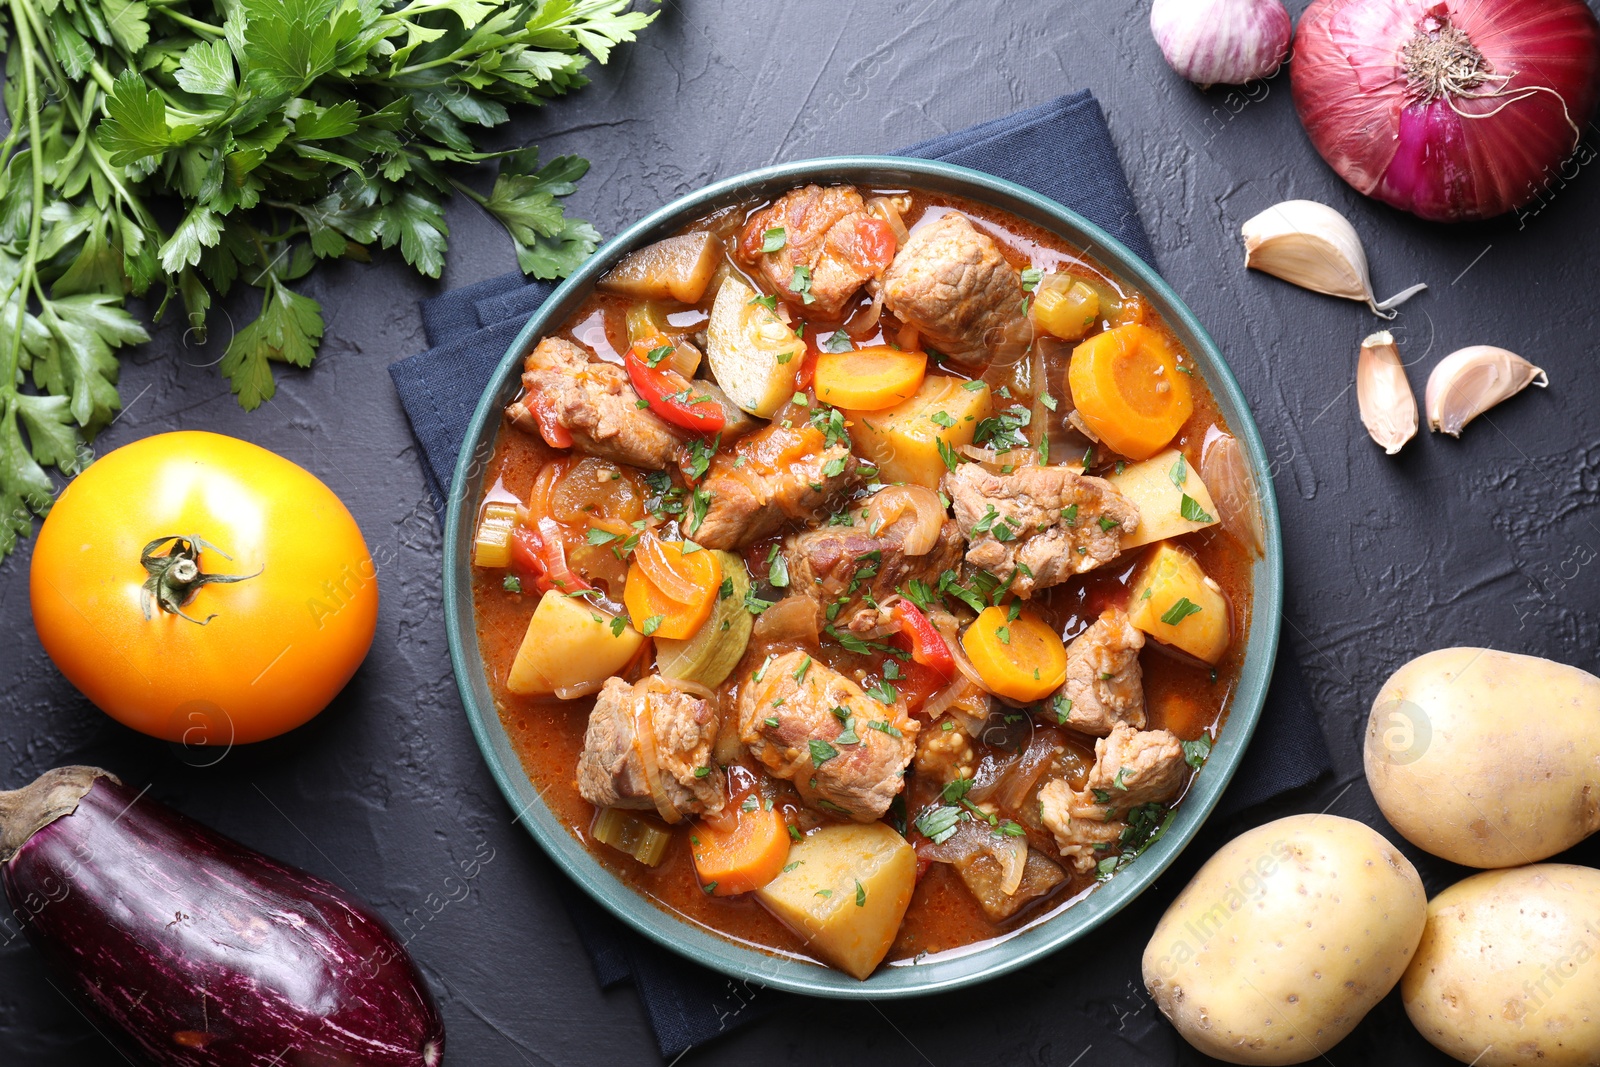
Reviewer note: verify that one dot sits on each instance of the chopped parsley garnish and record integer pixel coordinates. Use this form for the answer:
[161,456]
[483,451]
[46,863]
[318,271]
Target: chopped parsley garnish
[751,803]
[652,624]
[754,604]
[1179,472]
[787,867]
[1191,510]
[1062,706]
[916,590]
[699,504]
[827,805]
[1003,430]
[597,536]
[700,453]
[861,894]
[1031,278]
[1180,611]
[800,675]
[885,727]
[821,751]
[1047,400]
[774,240]
[942,418]
[725,590]
[834,467]
[777,570]
[1070,514]
[824,893]
[702,772]
[512,584]
[1121,779]
[972,386]
[838,341]
[883,693]
[1011,829]
[618,624]
[1196,751]
[772,721]
[761,671]
[946,453]
[1108,524]
[939,823]
[1003,634]
[656,355]
[849,736]
[786,357]
[800,282]
[710,888]
[1088,457]
[768,301]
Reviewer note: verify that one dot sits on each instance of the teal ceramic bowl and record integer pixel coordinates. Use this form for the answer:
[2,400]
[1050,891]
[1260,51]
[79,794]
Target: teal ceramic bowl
[945,971]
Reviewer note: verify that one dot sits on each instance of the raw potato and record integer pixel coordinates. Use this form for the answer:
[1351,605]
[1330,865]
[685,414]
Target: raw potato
[1489,759]
[1169,577]
[569,646]
[1150,486]
[1285,939]
[1505,975]
[827,873]
[903,441]
[678,268]
[753,355]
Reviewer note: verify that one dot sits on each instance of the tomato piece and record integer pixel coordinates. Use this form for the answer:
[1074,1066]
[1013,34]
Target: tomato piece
[875,244]
[927,645]
[670,395]
[555,435]
[264,598]
[541,556]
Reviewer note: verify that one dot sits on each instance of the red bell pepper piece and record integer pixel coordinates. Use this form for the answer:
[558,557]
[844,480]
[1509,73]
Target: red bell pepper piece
[670,395]
[875,245]
[927,645]
[555,435]
[542,557]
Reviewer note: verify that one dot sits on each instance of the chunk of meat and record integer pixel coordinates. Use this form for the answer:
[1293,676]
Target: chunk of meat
[1131,768]
[953,284]
[654,715]
[769,479]
[982,874]
[846,753]
[849,571]
[1105,684]
[593,402]
[1046,524]
[826,231]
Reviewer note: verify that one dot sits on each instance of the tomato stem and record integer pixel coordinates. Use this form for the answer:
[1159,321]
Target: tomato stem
[175,576]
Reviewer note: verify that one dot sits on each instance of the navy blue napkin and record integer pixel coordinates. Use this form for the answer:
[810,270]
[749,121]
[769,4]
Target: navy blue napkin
[1061,149]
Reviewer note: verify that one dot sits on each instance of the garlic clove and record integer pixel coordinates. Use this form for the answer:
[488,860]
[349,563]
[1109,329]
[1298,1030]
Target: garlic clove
[1388,406]
[1467,383]
[1313,246]
[1222,41]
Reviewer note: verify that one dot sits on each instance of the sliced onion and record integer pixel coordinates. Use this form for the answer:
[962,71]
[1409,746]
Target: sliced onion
[1027,771]
[964,665]
[543,487]
[991,772]
[998,462]
[656,567]
[1012,855]
[864,321]
[793,619]
[890,211]
[927,516]
[644,741]
[1227,477]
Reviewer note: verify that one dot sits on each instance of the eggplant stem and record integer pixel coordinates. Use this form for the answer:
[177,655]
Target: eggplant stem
[51,796]
[175,575]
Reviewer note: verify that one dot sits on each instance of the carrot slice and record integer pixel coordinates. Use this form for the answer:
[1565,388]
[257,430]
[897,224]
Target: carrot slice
[1127,386]
[746,856]
[680,602]
[869,379]
[1015,653]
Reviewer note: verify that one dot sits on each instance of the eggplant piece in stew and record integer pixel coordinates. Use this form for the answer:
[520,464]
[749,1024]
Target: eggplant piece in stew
[846,577]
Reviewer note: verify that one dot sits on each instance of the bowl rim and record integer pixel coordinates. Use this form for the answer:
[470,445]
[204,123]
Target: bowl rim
[1064,924]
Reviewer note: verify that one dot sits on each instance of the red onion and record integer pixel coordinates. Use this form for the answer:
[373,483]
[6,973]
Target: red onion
[1449,109]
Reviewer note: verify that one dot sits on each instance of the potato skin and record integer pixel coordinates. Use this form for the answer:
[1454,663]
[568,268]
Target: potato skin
[1486,758]
[1506,973]
[1285,939]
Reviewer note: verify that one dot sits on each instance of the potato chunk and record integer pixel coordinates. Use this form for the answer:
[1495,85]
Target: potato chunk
[1157,487]
[753,355]
[845,890]
[678,268]
[570,647]
[904,441]
[1177,604]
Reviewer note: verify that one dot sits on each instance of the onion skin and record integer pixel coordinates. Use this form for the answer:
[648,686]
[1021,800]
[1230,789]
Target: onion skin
[1226,42]
[1350,86]
[190,950]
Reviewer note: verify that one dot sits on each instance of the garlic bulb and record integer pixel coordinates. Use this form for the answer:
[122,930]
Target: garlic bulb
[1467,383]
[1388,406]
[1316,248]
[1222,41]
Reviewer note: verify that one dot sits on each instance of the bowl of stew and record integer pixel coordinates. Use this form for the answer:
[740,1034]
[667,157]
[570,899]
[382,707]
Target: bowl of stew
[862,576]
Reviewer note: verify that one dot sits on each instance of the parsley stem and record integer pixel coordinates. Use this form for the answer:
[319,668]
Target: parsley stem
[205,29]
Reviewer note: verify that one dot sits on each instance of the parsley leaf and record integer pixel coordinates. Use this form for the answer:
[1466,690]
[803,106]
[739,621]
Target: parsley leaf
[1191,510]
[774,239]
[1196,751]
[1180,611]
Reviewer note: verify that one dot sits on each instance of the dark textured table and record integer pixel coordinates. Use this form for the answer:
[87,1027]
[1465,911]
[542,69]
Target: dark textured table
[1489,540]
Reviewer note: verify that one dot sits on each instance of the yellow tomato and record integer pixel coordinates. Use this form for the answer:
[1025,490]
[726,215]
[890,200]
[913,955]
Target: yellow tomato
[203,590]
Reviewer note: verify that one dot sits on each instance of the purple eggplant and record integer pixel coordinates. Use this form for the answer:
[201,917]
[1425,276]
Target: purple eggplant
[193,951]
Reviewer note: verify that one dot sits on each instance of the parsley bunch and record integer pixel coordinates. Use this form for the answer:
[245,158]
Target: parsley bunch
[182,148]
